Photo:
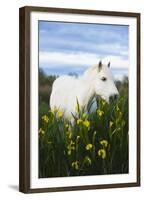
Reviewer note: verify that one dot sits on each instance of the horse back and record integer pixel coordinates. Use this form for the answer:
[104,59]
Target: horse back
[63,92]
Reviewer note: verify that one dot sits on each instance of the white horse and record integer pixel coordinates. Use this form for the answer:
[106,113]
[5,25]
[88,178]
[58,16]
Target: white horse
[66,90]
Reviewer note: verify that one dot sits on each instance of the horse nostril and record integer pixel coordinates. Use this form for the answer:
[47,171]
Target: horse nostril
[110,98]
[113,97]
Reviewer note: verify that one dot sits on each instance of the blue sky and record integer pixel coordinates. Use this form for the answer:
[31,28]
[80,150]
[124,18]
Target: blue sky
[73,47]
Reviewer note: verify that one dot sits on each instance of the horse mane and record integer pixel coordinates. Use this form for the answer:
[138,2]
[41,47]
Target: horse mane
[90,70]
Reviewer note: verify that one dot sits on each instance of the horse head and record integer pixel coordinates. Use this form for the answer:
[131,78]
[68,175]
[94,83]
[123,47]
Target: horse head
[102,81]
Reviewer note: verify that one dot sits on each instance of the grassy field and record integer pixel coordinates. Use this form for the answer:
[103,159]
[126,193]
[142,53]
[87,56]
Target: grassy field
[94,144]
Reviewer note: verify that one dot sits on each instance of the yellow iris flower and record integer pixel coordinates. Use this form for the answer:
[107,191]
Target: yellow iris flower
[100,113]
[67,125]
[102,153]
[79,121]
[88,160]
[41,131]
[75,165]
[110,124]
[86,123]
[89,147]
[60,114]
[45,118]
[77,138]
[104,143]
[70,147]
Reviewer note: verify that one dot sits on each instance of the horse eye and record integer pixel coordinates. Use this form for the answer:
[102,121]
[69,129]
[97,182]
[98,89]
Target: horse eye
[103,78]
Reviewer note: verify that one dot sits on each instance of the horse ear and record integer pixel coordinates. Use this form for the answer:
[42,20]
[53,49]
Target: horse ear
[100,66]
[109,64]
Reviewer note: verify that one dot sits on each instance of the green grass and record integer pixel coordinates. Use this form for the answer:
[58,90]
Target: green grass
[94,144]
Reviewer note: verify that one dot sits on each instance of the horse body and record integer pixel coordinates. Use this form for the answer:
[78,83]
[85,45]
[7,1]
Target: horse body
[65,93]
[66,90]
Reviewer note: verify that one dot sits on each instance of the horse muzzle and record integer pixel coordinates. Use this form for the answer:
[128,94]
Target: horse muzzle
[113,97]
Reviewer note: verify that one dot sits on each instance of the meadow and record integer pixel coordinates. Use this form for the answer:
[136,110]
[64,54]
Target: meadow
[94,144]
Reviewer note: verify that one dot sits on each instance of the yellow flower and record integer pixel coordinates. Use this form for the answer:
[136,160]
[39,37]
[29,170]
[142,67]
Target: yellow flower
[67,125]
[70,147]
[77,138]
[83,115]
[110,124]
[103,102]
[69,129]
[79,121]
[60,114]
[41,131]
[100,113]
[117,108]
[86,123]
[54,110]
[88,160]
[104,143]
[45,118]
[89,147]
[69,133]
[120,114]
[75,165]
[102,153]
[69,152]
[94,133]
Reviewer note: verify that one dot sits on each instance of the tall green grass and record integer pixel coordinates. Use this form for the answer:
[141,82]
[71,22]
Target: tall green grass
[93,144]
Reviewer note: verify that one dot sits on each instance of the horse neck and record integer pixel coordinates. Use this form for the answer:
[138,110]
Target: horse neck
[89,89]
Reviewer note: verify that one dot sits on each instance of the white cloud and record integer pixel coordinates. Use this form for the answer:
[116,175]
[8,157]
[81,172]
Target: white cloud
[117,61]
[75,59]
[119,77]
[47,59]
[84,45]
